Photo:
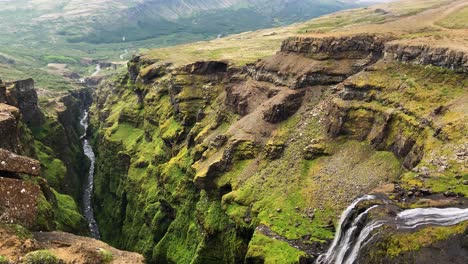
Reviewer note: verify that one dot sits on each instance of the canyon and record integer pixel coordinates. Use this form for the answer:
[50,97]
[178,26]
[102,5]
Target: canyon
[208,160]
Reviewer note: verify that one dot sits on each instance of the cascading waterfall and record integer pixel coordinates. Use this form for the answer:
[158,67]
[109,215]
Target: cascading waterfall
[89,187]
[352,236]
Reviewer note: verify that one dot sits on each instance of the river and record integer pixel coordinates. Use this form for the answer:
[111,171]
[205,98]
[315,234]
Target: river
[355,231]
[89,186]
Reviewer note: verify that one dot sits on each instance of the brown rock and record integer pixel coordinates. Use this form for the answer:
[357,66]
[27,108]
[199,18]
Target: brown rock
[283,109]
[9,118]
[11,162]
[18,201]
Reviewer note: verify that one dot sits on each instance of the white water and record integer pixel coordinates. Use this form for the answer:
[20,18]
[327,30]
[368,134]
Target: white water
[122,56]
[89,187]
[349,240]
[98,70]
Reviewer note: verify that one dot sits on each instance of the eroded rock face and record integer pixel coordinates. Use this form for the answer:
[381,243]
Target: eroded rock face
[9,118]
[207,67]
[426,55]
[23,95]
[284,108]
[345,47]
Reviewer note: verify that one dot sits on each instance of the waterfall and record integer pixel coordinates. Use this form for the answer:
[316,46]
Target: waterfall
[89,186]
[354,233]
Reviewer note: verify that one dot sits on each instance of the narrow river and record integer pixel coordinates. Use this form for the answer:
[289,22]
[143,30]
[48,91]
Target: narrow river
[89,186]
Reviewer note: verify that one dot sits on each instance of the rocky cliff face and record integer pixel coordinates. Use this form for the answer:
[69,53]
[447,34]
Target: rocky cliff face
[21,94]
[427,55]
[239,164]
[27,200]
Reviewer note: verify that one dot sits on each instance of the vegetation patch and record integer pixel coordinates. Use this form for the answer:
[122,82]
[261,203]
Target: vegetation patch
[40,257]
[456,20]
[263,249]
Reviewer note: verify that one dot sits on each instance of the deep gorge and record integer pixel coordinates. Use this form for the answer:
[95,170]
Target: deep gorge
[184,154]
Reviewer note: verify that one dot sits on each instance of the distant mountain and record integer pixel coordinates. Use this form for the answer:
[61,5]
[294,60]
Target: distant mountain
[111,21]
[204,18]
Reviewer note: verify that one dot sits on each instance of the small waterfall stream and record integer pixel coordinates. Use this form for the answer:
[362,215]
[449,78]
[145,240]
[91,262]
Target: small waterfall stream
[354,231]
[89,186]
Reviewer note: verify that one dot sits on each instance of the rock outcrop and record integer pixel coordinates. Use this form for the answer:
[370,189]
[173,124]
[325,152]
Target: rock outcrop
[345,47]
[17,244]
[427,55]
[9,128]
[10,162]
[23,95]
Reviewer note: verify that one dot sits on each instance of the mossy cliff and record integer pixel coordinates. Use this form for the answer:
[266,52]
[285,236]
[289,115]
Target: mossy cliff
[58,142]
[208,163]
[45,208]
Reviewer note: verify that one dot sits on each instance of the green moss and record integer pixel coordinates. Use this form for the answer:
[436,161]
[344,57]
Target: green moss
[4,260]
[45,215]
[67,215]
[106,256]
[18,230]
[53,169]
[264,249]
[40,257]
[405,242]
[127,134]
[171,130]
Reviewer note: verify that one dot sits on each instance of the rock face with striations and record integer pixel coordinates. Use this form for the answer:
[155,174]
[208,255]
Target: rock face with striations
[427,55]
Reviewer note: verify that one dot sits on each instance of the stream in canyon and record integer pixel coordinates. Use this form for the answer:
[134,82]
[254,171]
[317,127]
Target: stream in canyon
[355,231]
[89,185]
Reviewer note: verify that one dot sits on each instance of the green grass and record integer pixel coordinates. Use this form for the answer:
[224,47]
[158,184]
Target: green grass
[270,250]
[127,134]
[59,59]
[40,257]
[456,20]
[4,260]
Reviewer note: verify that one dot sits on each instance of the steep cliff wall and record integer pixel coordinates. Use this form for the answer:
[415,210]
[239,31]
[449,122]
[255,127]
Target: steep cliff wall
[28,198]
[207,163]
[58,143]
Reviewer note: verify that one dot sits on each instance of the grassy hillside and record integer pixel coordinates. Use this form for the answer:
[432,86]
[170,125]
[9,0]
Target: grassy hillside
[67,31]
